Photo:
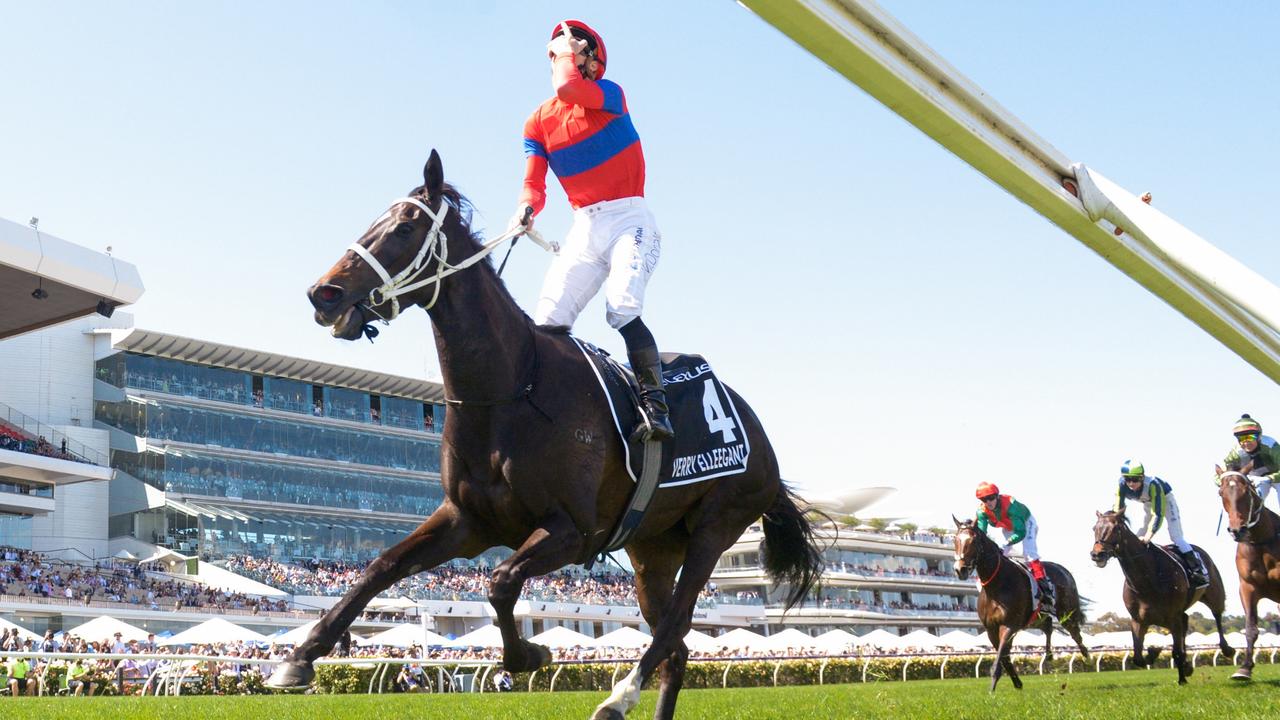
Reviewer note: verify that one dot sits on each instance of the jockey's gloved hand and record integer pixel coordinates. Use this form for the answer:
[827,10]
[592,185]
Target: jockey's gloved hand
[563,44]
[1146,539]
[522,218]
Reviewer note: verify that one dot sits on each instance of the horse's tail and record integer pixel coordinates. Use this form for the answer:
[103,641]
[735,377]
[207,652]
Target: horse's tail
[790,550]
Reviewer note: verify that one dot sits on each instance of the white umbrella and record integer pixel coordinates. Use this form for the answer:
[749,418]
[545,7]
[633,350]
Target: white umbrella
[300,633]
[405,635]
[562,637]
[23,633]
[700,641]
[880,638]
[920,639]
[625,637]
[961,640]
[1199,638]
[789,638]
[1115,638]
[488,636]
[835,641]
[105,626]
[216,630]
[740,639]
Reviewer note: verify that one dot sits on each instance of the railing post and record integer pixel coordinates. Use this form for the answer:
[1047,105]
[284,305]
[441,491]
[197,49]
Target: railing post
[865,662]
[1124,661]
[942,671]
[776,667]
[554,677]
[823,668]
[906,665]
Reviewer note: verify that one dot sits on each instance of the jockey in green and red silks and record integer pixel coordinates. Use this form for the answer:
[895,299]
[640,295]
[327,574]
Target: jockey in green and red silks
[1019,526]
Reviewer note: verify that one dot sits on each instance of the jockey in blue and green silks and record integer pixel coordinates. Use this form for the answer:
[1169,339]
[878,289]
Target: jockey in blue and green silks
[1259,451]
[1159,508]
[1019,526]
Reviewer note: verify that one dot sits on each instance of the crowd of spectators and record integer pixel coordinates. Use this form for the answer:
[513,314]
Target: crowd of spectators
[313,577]
[27,574]
[881,571]
[11,439]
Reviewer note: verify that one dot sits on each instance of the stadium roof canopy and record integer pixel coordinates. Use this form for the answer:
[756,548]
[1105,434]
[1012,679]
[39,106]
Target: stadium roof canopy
[149,342]
[45,280]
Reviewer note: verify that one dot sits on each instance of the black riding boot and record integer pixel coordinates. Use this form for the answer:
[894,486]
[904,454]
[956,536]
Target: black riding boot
[648,370]
[1048,596]
[1199,576]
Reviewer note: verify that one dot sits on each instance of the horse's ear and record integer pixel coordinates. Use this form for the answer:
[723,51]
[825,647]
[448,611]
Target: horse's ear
[1120,512]
[433,174]
[954,520]
[1095,512]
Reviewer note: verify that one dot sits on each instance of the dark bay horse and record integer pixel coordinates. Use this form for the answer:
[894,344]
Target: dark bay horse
[1005,603]
[530,459]
[1157,590]
[1257,534]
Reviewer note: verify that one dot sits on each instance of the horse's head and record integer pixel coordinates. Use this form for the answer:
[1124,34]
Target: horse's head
[394,262]
[1240,500]
[1107,533]
[967,544]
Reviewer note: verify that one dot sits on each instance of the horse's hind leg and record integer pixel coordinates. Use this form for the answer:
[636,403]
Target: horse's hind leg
[656,562]
[705,546]
[553,545]
[445,535]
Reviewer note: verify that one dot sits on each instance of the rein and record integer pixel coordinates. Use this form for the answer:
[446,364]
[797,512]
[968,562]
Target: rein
[999,562]
[434,247]
[525,393]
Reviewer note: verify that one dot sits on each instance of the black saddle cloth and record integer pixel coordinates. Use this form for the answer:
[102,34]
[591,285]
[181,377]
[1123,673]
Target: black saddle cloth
[710,441]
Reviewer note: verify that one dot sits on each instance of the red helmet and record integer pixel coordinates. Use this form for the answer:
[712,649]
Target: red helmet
[986,490]
[595,44]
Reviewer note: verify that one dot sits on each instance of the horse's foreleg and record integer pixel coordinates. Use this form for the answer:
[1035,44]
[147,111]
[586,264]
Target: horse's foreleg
[444,535]
[1003,663]
[1179,632]
[553,545]
[1248,598]
[1139,632]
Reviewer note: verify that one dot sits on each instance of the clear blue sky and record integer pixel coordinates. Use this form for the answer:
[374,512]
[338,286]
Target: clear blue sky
[892,316]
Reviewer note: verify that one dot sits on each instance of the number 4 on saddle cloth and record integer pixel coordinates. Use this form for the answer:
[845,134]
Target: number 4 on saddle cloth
[709,441]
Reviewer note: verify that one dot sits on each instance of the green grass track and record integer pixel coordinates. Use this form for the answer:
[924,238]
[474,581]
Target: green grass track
[1120,695]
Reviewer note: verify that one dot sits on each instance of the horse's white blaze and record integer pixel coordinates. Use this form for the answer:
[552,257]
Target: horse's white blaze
[626,694]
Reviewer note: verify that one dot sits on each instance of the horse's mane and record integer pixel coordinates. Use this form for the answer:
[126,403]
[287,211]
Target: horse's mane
[463,214]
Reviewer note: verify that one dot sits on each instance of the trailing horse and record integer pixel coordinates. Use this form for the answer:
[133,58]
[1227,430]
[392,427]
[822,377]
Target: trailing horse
[1006,603]
[1257,534]
[1157,589]
[530,459]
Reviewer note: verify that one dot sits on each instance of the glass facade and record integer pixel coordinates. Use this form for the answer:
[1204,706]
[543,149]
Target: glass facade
[290,395]
[17,487]
[15,530]
[175,377]
[178,378]
[217,476]
[159,420]
[280,536]
[307,466]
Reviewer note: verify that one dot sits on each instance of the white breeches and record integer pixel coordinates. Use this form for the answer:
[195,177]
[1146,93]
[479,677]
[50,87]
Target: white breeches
[1029,550]
[1173,520]
[616,244]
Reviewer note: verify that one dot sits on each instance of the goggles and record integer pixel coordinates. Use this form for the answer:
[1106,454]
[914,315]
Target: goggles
[1247,437]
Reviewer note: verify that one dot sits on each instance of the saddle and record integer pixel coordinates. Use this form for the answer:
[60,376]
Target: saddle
[710,441]
[1195,591]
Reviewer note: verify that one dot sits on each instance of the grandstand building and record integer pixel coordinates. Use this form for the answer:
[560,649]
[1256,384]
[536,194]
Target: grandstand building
[896,580]
[224,451]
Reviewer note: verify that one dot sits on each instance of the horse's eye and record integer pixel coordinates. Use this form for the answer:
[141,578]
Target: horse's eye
[404,229]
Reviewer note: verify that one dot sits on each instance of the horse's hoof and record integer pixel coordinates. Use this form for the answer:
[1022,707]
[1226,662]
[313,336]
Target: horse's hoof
[607,713]
[1243,674]
[290,675]
[531,657]
[1017,684]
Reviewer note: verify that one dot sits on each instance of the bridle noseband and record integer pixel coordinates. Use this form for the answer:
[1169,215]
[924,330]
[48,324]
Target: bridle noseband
[977,552]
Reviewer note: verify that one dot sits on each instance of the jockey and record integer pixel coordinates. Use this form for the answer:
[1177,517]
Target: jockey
[1159,507]
[1262,451]
[584,134]
[1019,526]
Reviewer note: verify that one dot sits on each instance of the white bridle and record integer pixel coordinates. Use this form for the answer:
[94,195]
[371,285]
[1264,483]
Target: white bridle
[1255,513]
[434,246]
